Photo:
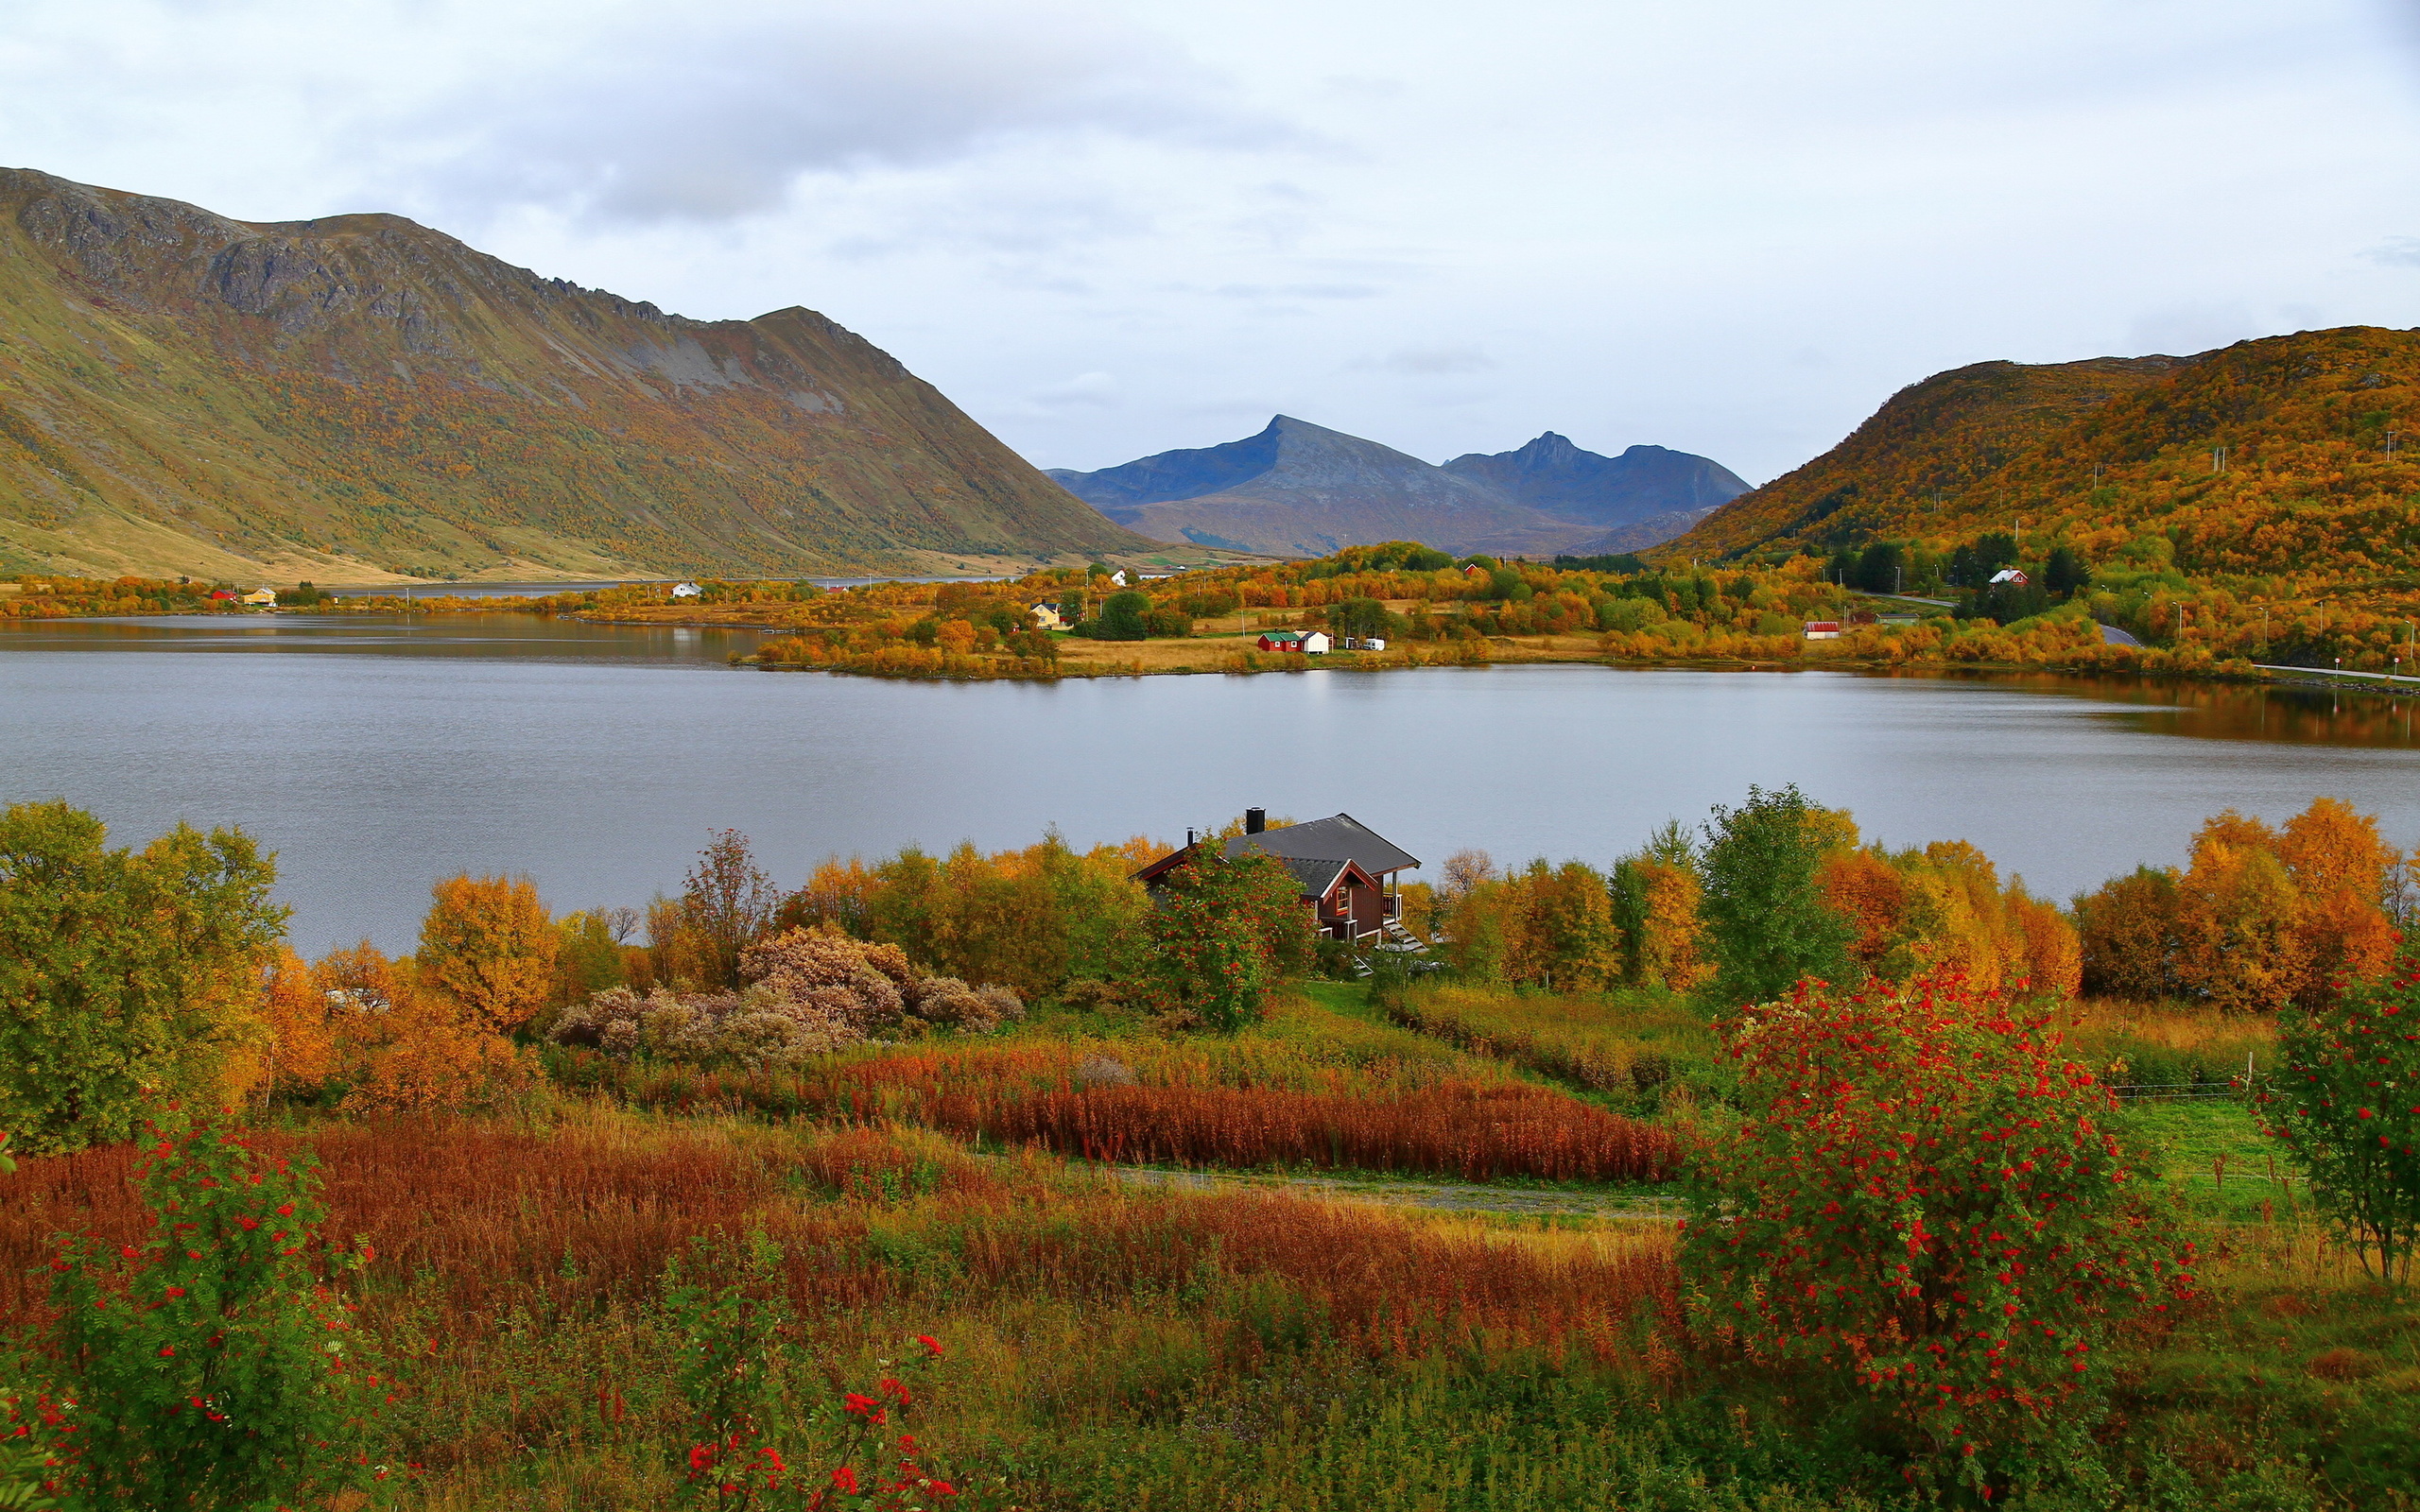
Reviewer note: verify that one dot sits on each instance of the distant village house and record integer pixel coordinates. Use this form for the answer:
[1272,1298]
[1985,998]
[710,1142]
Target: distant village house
[1823,629]
[2009,575]
[1313,643]
[686,590]
[263,597]
[1046,617]
[1345,872]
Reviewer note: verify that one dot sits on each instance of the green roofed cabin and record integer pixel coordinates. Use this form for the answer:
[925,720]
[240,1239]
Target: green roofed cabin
[1346,871]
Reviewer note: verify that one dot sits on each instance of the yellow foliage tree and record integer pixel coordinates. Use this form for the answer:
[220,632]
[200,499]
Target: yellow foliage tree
[488,948]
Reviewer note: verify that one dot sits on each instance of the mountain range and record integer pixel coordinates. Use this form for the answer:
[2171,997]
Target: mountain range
[357,396]
[1300,490]
[2282,456]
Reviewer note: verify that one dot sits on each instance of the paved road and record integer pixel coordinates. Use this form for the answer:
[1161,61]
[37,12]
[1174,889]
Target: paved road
[2112,635]
[2331,672]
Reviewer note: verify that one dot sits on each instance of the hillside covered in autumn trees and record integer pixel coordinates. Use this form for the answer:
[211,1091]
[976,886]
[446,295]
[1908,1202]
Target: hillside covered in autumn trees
[356,396]
[2284,459]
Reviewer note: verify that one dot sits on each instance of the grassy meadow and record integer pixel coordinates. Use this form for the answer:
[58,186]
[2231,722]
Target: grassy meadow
[1113,1343]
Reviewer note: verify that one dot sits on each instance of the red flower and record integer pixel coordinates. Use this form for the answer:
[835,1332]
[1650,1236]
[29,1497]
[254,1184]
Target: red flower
[702,1456]
[931,1344]
[867,1408]
[846,1479]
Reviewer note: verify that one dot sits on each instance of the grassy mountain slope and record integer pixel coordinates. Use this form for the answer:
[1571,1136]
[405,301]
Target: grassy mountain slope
[2116,454]
[181,392]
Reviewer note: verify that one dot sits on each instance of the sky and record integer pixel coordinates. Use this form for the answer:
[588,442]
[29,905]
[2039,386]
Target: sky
[1108,229]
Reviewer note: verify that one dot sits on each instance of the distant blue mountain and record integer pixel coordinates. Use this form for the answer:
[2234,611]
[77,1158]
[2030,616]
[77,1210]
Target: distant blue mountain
[1299,489]
[1552,474]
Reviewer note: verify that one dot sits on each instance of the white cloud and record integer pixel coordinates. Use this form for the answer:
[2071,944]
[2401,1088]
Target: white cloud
[1086,390]
[653,119]
[1429,362]
[2397,251]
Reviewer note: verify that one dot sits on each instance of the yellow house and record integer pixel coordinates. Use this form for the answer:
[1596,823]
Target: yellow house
[265,598]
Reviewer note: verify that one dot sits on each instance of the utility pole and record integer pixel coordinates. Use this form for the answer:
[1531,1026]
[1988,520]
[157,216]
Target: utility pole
[2218,459]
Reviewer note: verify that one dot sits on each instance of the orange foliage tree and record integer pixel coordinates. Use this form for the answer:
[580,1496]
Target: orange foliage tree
[1918,911]
[2259,918]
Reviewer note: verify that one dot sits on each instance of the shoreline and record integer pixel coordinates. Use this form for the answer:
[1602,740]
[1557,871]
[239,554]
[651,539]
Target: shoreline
[1231,655]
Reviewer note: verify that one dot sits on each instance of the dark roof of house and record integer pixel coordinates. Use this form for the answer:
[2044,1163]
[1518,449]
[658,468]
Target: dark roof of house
[1341,838]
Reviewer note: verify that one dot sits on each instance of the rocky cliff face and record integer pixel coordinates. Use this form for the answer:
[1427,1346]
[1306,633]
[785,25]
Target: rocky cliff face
[329,397]
[1299,489]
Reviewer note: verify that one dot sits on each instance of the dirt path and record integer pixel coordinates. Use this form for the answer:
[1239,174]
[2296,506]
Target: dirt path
[1442,1196]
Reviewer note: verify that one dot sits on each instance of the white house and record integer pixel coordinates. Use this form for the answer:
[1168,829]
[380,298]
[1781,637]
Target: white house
[686,590]
[1119,577]
[1317,644]
[2009,575]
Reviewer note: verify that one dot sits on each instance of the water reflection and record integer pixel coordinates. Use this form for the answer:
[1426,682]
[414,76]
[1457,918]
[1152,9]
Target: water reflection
[2298,714]
[503,636]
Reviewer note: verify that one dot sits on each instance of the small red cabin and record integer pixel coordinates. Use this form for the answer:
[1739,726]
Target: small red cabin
[1345,872]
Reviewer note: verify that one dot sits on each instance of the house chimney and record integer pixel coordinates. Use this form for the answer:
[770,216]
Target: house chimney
[1256,821]
[1188,839]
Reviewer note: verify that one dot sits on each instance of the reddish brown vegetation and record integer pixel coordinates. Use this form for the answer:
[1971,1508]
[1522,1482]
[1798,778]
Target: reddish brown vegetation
[477,1218]
[1474,1130]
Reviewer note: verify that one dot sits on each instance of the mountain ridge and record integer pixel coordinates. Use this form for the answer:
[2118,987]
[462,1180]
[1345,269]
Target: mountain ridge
[1300,490]
[180,390]
[1642,483]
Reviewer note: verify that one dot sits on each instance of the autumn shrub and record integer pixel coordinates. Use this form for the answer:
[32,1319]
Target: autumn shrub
[1926,1210]
[405,1048]
[809,992]
[2347,1103]
[1546,925]
[2261,917]
[123,972]
[207,1366]
[1031,920]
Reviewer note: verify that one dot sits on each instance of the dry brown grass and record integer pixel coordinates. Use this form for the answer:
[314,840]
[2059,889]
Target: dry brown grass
[475,1220]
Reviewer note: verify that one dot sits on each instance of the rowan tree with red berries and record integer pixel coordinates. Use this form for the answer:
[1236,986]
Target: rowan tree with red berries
[2347,1103]
[1927,1210]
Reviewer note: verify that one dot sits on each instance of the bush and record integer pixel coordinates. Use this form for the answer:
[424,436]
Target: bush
[2348,1105]
[209,1368]
[1926,1207]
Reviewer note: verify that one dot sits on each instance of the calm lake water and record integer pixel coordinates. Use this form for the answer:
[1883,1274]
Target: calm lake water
[377,755]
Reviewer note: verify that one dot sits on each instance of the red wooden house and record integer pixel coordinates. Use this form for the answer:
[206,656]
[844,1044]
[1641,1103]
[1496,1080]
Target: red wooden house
[1345,871]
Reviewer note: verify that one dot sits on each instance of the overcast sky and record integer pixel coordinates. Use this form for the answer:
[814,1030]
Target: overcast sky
[1731,227]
